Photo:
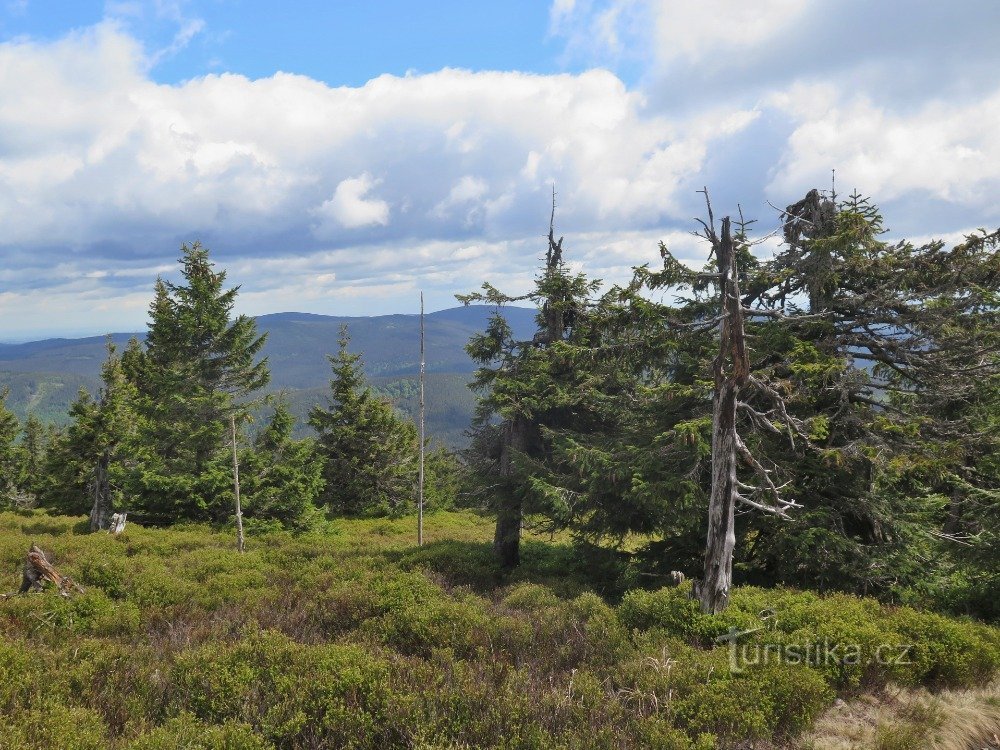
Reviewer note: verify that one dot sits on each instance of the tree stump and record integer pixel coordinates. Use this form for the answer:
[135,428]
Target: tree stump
[37,570]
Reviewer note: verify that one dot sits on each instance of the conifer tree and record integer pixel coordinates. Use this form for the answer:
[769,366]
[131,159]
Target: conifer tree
[92,462]
[199,365]
[70,461]
[11,454]
[35,441]
[881,347]
[531,388]
[281,478]
[369,452]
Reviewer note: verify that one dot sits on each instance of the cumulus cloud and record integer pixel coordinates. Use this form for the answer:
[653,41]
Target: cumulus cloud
[101,160]
[889,94]
[350,207]
[948,152]
[345,199]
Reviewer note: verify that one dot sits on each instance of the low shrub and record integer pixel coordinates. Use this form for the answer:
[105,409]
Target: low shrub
[185,732]
[358,639]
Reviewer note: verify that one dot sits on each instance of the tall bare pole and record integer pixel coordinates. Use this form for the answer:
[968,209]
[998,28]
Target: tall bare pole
[420,489]
[240,539]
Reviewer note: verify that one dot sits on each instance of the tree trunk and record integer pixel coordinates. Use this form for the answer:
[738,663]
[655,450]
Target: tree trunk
[731,370]
[100,514]
[420,482]
[507,539]
[717,580]
[240,540]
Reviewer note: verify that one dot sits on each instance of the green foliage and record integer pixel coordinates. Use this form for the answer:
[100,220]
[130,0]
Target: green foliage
[35,443]
[52,725]
[281,478]
[358,639]
[368,451]
[197,366]
[185,732]
[12,459]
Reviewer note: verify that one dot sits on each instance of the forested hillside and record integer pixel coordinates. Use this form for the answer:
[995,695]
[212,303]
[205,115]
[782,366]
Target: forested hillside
[45,376]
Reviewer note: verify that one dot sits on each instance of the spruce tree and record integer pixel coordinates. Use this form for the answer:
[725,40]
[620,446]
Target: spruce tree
[527,390]
[281,478]
[199,365]
[881,348]
[92,463]
[11,454]
[369,452]
[35,441]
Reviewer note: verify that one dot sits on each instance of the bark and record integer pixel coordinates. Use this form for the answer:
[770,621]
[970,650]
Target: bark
[731,371]
[507,539]
[240,539]
[37,570]
[100,514]
[420,483]
[510,513]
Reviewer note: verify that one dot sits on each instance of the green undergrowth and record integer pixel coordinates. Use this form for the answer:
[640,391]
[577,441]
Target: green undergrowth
[354,638]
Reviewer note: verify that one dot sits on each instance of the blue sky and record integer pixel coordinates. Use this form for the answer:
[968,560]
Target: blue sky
[342,43]
[339,157]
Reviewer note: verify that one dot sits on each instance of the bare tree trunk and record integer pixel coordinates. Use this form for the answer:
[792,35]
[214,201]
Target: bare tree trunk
[731,370]
[420,484]
[100,514]
[510,513]
[240,539]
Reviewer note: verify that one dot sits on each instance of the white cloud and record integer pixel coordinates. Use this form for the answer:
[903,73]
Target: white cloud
[466,194]
[312,194]
[697,31]
[908,116]
[350,207]
[949,152]
[99,155]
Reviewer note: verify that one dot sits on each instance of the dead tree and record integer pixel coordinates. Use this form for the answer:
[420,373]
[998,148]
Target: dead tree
[117,523]
[420,480]
[240,539]
[731,375]
[730,370]
[37,570]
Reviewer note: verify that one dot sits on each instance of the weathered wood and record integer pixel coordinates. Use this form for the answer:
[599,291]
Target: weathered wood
[240,539]
[37,569]
[731,370]
[420,482]
[117,523]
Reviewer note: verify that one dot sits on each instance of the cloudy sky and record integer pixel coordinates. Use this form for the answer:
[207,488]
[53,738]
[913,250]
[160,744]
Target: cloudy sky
[337,157]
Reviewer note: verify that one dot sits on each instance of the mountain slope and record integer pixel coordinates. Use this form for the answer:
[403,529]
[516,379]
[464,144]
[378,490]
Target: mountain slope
[45,376]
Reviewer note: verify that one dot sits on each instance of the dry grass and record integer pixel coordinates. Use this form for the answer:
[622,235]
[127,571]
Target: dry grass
[903,719]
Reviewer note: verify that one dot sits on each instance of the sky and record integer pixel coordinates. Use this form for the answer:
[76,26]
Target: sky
[339,157]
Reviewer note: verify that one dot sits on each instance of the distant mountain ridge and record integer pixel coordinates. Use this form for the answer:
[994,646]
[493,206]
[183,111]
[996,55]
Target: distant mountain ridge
[44,376]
